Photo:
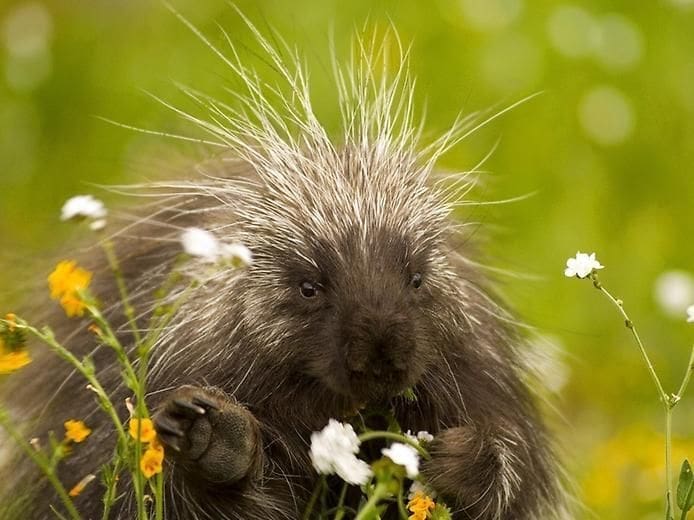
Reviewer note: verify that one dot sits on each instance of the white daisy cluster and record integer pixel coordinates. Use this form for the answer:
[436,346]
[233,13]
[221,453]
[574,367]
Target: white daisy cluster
[204,245]
[85,207]
[582,265]
[334,450]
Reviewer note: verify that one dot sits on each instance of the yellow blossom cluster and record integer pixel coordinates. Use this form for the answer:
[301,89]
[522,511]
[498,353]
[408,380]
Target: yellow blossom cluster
[419,506]
[66,282]
[153,458]
[13,355]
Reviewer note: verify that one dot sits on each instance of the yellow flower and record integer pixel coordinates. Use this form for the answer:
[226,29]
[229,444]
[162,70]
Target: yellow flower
[419,506]
[12,361]
[79,487]
[65,282]
[12,355]
[147,433]
[76,431]
[152,459]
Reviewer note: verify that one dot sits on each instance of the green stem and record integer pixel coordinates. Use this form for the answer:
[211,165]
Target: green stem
[378,434]
[40,460]
[128,309]
[669,506]
[685,381]
[668,402]
[314,498]
[401,504]
[630,325]
[341,502]
[379,493]
[47,337]
[110,496]
[159,497]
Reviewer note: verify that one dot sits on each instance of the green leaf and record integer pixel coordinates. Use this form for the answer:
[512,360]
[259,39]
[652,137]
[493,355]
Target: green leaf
[685,488]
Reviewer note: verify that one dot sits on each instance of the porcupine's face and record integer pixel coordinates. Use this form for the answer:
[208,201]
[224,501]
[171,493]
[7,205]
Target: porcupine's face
[358,306]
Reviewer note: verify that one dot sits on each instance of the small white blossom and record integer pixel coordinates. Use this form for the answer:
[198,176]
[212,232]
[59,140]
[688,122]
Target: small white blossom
[83,206]
[690,314]
[333,451]
[582,265]
[425,436]
[200,243]
[422,436]
[237,255]
[403,455]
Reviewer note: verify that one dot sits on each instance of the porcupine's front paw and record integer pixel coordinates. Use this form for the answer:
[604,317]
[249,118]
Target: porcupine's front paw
[474,470]
[209,434]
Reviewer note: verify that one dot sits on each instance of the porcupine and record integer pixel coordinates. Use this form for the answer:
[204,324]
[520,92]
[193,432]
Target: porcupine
[358,290]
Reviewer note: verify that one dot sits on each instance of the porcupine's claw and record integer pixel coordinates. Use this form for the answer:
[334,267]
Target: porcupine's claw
[209,433]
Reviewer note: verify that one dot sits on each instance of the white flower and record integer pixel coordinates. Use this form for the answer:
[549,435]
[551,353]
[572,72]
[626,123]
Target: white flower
[425,436]
[203,244]
[200,243]
[581,265]
[237,255]
[83,206]
[333,451]
[403,455]
[422,436]
[690,314]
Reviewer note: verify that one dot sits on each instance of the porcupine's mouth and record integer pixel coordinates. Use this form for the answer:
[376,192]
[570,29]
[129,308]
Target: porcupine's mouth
[369,387]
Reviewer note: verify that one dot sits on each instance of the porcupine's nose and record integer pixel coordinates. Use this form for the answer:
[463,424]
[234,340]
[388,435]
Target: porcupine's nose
[379,345]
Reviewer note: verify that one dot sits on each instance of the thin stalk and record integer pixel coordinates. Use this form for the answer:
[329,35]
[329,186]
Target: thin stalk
[630,325]
[110,496]
[159,497]
[128,309]
[668,401]
[668,459]
[106,404]
[379,493]
[341,502]
[685,381]
[313,499]
[401,504]
[40,460]
[378,434]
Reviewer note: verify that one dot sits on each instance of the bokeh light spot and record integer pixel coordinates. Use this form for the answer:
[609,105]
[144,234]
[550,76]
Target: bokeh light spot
[489,15]
[27,30]
[572,31]
[674,292]
[606,115]
[620,42]
[512,64]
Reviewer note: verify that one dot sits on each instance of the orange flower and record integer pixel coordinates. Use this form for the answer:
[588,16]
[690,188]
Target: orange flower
[419,506]
[65,283]
[152,459]
[79,487]
[147,433]
[76,431]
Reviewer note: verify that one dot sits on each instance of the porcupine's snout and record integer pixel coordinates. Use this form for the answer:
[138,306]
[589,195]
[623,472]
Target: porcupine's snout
[377,345]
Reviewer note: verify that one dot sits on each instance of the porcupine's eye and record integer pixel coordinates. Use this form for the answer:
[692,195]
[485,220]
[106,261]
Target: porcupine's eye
[416,280]
[308,289]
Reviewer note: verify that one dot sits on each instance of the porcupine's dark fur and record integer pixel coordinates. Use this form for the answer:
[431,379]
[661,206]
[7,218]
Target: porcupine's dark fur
[358,220]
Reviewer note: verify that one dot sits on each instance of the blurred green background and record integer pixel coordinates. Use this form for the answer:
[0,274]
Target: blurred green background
[607,151]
